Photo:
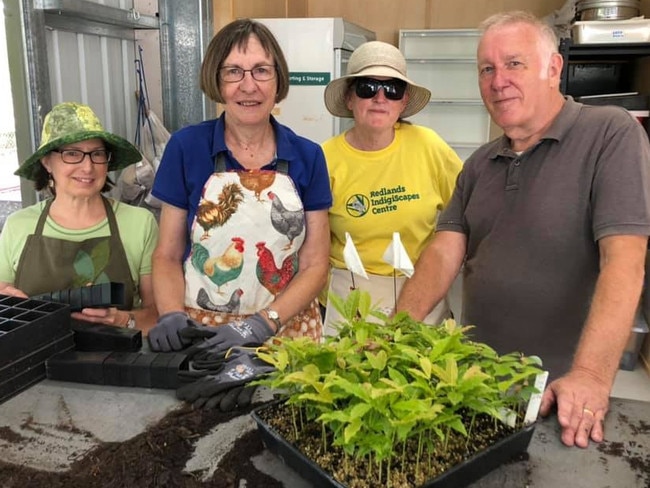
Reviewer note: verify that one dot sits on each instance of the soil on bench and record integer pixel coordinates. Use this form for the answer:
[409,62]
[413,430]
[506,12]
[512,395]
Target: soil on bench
[154,458]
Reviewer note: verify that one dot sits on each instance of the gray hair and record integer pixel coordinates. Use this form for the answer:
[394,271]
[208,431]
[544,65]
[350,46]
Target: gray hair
[547,34]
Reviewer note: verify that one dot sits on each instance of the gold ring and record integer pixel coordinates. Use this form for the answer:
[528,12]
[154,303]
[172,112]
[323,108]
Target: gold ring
[586,410]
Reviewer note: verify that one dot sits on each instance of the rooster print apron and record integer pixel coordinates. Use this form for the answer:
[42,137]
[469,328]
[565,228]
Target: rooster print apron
[245,238]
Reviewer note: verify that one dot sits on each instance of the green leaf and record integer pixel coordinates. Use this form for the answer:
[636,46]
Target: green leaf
[84,268]
[377,361]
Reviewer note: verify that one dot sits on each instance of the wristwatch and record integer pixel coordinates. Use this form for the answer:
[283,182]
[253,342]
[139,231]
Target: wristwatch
[130,324]
[273,317]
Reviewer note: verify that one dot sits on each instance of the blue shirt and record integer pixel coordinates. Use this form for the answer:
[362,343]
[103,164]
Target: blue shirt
[189,158]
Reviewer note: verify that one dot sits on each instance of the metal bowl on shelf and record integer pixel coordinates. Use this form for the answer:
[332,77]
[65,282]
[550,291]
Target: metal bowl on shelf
[607,9]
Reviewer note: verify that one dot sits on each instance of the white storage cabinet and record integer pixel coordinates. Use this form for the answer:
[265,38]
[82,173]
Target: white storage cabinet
[444,60]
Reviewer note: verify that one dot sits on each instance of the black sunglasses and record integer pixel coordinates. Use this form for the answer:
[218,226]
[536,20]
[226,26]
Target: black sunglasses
[369,87]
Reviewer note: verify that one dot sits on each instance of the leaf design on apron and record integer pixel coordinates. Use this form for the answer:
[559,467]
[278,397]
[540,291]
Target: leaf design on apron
[88,267]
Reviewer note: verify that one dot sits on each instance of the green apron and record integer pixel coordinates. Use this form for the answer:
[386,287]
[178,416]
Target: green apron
[49,264]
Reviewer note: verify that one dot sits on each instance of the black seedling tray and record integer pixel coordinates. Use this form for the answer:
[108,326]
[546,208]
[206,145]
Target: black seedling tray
[78,367]
[459,476]
[19,374]
[119,368]
[99,337]
[94,296]
[28,324]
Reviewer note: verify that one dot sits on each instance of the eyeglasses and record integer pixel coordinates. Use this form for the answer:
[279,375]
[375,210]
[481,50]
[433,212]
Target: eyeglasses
[369,87]
[233,74]
[74,156]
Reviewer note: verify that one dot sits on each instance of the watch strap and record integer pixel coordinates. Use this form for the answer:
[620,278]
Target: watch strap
[130,324]
[273,317]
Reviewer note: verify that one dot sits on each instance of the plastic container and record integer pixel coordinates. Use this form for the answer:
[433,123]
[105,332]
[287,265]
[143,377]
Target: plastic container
[611,31]
[26,325]
[593,78]
[109,294]
[457,477]
[607,9]
[23,372]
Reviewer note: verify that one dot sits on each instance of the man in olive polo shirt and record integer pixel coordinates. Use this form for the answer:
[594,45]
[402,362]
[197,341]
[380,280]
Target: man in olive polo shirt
[551,222]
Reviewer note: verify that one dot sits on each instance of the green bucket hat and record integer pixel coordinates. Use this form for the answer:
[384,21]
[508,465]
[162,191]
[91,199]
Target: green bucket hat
[71,122]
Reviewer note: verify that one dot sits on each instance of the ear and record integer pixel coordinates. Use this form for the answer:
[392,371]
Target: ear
[555,69]
[46,162]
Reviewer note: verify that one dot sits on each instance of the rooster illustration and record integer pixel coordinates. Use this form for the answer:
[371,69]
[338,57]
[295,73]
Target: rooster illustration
[268,274]
[232,306]
[287,222]
[220,269]
[210,214]
[256,181]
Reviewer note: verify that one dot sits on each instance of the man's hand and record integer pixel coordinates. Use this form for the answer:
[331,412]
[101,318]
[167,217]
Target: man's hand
[582,403]
[252,331]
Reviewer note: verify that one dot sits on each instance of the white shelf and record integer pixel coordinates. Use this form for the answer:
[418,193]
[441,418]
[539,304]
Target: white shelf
[439,43]
[444,61]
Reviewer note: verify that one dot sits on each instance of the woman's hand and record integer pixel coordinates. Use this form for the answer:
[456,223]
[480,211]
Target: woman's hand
[10,290]
[107,316]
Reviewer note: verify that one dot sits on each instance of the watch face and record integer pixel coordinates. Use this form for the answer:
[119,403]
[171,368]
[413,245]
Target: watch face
[273,315]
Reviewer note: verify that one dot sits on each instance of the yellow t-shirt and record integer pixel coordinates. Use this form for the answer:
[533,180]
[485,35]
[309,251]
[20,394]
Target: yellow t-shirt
[400,188]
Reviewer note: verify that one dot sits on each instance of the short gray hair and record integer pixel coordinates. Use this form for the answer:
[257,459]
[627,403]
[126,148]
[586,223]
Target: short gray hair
[548,36]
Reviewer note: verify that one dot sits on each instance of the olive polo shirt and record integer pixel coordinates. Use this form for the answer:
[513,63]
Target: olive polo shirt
[532,223]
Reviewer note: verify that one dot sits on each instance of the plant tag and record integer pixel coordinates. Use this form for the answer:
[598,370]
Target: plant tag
[352,259]
[397,257]
[508,417]
[536,398]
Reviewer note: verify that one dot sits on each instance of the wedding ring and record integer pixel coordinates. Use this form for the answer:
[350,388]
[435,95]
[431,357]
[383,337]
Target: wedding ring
[586,410]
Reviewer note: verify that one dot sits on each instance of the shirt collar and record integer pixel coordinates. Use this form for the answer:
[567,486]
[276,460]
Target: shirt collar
[284,149]
[561,125]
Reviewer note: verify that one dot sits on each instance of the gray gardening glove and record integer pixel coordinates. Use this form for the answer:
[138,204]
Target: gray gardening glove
[223,383]
[252,331]
[167,333]
[238,397]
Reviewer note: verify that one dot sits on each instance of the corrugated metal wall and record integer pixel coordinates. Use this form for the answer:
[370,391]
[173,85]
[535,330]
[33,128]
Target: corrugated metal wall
[82,51]
[96,70]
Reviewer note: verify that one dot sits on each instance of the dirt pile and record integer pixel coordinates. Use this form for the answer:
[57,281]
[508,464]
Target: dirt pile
[152,459]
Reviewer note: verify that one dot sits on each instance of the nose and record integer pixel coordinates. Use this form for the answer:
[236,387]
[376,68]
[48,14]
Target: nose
[247,81]
[380,95]
[499,78]
[86,162]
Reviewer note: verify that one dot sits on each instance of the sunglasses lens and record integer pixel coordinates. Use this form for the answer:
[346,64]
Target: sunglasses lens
[368,88]
[394,89]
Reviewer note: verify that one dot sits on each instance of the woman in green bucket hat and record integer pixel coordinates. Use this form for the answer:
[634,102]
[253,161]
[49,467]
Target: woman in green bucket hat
[78,237]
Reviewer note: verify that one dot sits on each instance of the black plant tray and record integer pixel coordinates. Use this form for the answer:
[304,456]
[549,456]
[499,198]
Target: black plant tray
[93,296]
[457,477]
[100,337]
[27,324]
[119,368]
[19,374]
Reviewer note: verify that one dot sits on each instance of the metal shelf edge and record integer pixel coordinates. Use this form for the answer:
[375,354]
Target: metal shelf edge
[97,12]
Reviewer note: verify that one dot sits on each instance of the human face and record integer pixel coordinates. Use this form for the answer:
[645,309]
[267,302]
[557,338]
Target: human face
[249,101]
[519,77]
[84,179]
[377,112]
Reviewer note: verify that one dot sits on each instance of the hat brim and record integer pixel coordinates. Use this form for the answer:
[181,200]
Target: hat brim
[336,92]
[123,153]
